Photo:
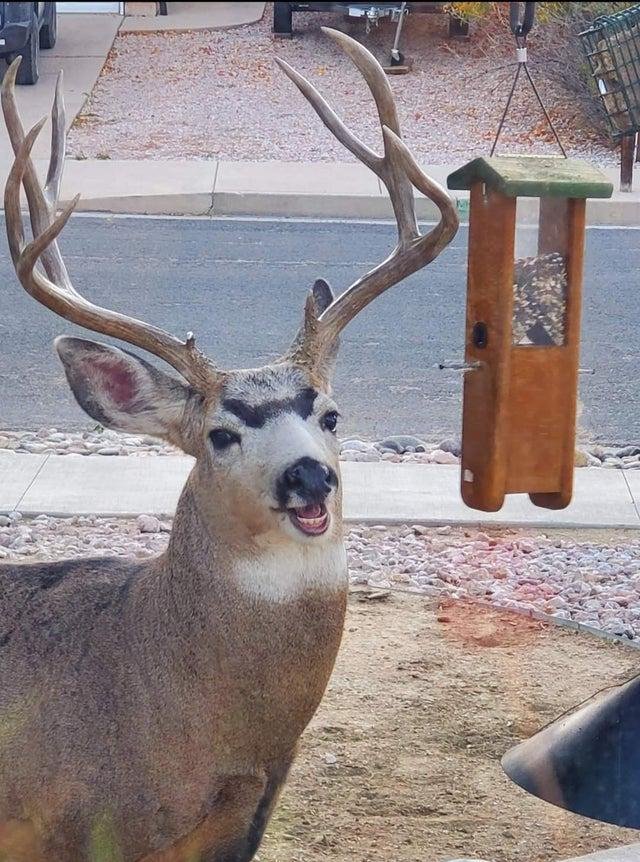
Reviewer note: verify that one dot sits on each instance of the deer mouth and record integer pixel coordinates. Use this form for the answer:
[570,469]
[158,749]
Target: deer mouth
[312,520]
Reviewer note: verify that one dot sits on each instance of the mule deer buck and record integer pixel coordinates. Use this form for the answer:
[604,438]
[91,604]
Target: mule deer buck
[154,706]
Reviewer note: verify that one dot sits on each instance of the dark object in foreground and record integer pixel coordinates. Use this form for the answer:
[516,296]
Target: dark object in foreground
[587,761]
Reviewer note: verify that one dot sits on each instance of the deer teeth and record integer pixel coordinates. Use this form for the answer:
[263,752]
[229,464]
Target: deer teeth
[312,526]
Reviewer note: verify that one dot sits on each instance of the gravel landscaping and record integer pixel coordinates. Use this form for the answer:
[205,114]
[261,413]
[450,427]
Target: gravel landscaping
[594,581]
[395,448]
[219,95]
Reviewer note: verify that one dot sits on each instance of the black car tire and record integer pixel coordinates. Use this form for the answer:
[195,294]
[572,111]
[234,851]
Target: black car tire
[282,19]
[49,29]
[28,71]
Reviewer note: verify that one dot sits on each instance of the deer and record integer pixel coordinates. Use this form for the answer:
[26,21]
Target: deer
[150,710]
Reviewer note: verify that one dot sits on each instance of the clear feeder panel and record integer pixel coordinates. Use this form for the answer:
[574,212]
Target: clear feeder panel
[539,275]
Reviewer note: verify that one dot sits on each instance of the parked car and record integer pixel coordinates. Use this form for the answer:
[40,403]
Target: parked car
[24,29]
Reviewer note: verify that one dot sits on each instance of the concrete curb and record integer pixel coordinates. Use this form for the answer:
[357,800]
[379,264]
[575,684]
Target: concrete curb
[273,189]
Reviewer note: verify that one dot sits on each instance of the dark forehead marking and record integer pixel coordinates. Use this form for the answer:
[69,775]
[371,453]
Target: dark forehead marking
[256,416]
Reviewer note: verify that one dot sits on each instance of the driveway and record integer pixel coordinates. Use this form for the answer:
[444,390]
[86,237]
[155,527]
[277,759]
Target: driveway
[81,49]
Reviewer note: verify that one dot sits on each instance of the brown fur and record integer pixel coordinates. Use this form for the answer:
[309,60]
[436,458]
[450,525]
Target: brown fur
[154,707]
[149,711]
[153,695]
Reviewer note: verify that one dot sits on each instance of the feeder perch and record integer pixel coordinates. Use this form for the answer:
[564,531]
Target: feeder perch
[524,286]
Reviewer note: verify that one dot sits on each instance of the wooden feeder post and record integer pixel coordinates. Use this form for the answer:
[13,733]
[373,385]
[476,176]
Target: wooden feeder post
[523,327]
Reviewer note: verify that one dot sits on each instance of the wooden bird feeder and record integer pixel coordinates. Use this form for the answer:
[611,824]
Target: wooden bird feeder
[524,288]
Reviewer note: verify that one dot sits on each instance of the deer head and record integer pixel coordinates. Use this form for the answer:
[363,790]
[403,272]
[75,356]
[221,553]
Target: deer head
[264,439]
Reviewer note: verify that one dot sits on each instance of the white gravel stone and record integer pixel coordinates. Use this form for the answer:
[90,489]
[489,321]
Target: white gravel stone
[356,446]
[395,449]
[148,524]
[360,456]
[440,457]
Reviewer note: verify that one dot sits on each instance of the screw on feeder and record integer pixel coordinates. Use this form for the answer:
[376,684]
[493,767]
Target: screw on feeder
[454,365]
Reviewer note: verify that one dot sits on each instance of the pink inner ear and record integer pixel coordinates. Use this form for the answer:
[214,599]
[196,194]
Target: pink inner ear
[118,381]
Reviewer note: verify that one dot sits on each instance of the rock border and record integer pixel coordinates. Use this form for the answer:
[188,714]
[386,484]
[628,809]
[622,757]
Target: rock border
[397,448]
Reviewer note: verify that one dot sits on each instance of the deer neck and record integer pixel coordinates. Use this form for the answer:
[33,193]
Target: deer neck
[270,618]
[211,558]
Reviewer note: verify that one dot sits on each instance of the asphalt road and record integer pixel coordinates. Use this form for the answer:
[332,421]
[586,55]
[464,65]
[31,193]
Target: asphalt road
[240,285]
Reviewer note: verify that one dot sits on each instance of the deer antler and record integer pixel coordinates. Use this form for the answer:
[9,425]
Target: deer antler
[55,290]
[399,172]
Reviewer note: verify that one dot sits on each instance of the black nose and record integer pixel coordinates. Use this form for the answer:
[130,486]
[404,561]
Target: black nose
[308,479]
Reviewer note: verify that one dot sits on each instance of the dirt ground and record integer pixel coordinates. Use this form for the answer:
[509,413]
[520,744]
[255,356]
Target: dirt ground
[402,761]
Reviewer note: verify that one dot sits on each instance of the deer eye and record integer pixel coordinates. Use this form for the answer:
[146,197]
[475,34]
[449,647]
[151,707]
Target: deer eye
[330,421]
[222,439]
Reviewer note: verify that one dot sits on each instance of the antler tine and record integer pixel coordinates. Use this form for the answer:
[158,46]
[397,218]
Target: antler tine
[400,174]
[442,234]
[331,120]
[396,182]
[58,294]
[13,216]
[403,261]
[58,146]
[400,191]
[41,211]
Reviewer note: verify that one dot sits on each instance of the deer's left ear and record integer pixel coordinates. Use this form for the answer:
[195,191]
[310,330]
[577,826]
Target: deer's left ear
[122,391]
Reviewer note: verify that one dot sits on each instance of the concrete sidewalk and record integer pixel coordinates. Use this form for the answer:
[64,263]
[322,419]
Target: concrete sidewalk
[182,17]
[271,189]
[630,853]
[220,188]
[375,493]
[293,189]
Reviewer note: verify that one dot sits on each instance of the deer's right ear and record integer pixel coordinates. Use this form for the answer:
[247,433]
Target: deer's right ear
[122,391]
[323,294]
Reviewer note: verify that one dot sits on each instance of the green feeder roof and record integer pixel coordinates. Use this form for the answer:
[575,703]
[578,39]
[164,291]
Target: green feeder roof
[534,177]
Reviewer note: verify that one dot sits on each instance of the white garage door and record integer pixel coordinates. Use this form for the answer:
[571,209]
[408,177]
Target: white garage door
[90,7]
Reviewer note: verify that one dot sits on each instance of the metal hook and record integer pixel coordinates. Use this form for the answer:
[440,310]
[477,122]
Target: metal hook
[521,27]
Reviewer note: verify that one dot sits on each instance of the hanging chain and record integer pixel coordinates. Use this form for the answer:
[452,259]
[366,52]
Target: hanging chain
[520,29]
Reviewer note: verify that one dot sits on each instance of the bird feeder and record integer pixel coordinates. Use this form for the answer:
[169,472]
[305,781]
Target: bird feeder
[524,286]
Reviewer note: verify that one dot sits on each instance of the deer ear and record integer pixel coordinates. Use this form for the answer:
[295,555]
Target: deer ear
[326,356]
[122,391]
[323,294]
